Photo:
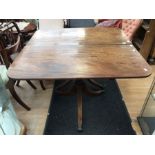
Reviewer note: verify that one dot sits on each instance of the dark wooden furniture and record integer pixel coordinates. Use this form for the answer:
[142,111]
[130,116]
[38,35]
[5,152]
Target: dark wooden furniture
[25,29]
[147,47]
[79,54]
[6,54]
[10,46]
[145,38]
[1,60]
[13,29]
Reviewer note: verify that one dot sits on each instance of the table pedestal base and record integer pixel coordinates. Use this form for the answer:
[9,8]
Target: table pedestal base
[70,87]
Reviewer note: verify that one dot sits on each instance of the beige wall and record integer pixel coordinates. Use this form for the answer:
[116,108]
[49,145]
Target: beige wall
[47,24]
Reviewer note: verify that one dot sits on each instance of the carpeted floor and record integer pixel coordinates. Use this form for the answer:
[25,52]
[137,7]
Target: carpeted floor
[105,114]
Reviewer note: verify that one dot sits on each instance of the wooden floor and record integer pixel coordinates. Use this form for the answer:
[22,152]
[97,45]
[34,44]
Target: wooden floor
[39,101]
[134,92]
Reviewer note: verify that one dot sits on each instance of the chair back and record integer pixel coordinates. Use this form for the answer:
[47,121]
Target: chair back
[12,29]
[110,23]
[10,44]
[130,26]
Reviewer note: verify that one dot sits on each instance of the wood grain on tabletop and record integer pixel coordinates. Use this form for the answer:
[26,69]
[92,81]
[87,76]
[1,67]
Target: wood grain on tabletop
[95,35]
[79,53]
[78,61]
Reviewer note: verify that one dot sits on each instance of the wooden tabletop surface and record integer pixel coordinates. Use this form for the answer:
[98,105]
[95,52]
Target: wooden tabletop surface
[97,35]
[67,54]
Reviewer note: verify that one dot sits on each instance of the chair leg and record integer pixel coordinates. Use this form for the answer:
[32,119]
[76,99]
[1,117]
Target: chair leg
[95,83]
[42,84]
[31,84]
[16,97]
[1,60]
[17,84]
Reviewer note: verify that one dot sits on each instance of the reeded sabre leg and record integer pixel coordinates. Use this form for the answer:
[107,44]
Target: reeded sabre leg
[79,107]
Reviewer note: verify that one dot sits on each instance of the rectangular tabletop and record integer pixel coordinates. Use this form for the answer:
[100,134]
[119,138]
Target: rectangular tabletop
[45,61]
[97,35]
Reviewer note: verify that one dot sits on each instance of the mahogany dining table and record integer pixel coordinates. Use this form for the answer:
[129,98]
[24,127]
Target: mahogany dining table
[76,55]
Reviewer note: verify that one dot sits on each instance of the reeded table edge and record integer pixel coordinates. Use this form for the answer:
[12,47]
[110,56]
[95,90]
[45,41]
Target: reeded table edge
[148,73]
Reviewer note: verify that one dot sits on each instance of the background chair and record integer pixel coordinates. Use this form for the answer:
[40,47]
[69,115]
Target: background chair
[109,23]
[9,39]
[25,35]
[30,29]
[130,26]
[3,70]
[1,60]
[10,47]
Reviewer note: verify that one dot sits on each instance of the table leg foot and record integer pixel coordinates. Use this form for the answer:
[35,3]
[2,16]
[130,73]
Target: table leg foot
[79,107]
[95,83]
[63,84]
[66,88]
[80,129]
[93,92]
